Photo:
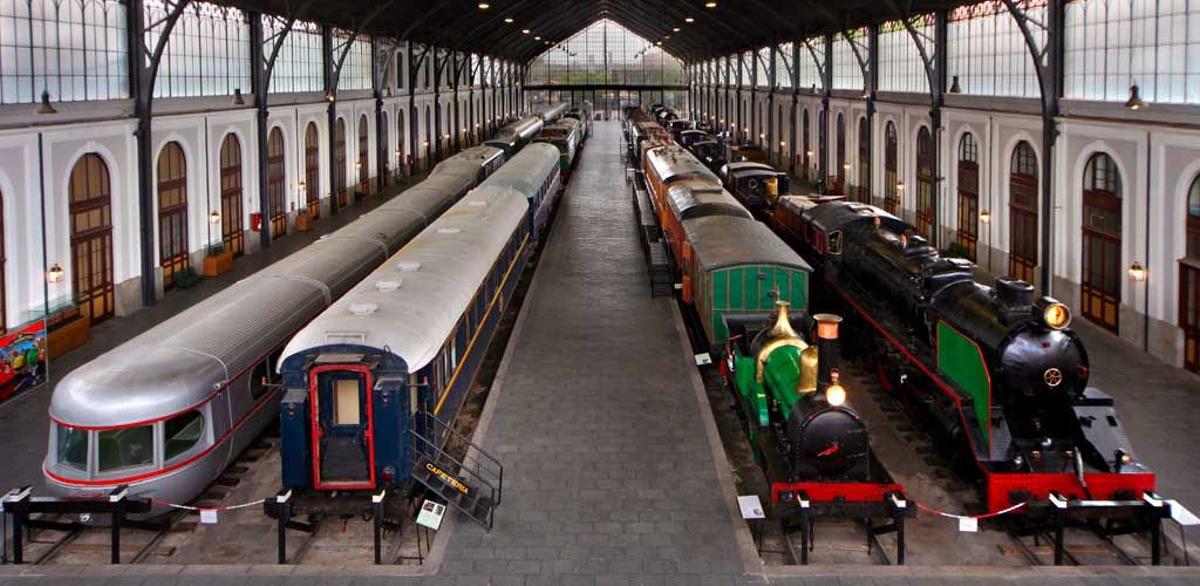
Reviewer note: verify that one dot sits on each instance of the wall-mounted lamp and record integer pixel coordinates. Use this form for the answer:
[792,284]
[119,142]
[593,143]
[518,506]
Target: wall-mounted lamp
[54,274]
[1135,101]
[329,96]
[1137,272]
[899,186]
[46,107]
[846,166]
[214,217]
[808,153]
[300,187]
[782,143]
[985,217]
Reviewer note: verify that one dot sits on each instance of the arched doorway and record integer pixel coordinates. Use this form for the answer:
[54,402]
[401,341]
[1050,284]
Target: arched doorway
[384,175]
[925,183]
[276,183]
[172,213]
[339,162]
[863,193]
[1189,282]
[428,134]
[312,178]
[968,195]
[841,154]
[363,165]
[1023,213]
[401,144]
[91,238]
[1101,282]
[232,235]
[806,154]
[891,187]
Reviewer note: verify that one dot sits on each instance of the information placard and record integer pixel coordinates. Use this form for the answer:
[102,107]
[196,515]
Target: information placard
[751,507]
[431,515]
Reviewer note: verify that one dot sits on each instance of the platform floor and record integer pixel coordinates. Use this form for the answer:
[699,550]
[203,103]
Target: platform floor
[611,475]
[595,415]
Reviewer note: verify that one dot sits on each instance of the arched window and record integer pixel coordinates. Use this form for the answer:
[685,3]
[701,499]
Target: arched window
[968,194]
[91,238]
[1023,213]
[1101,283]
[339,161]
[172,213]
[924,183]
[1189,282]
[841,154]
[231,195]
[807,152]
[891,187]
[863,193]
[276,183]
[363,166]
[312,170]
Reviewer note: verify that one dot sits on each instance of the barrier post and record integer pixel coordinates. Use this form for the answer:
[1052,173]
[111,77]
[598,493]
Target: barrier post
[899,508]
[377,504]
[117,499]
[283,502]
[15,502]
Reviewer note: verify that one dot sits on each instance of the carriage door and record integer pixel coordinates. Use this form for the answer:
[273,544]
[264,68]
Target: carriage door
[342,431]
[1101,283]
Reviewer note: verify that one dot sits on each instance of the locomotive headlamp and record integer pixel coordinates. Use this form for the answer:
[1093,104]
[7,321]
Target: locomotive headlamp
[835,395]
[1056,316]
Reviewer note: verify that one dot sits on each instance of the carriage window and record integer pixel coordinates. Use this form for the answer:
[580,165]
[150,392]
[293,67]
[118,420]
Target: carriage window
[835,243]
[346,404]
[72,447]
[126,448]
[182,433]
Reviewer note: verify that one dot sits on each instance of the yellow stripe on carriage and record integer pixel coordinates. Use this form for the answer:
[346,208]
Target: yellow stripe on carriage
[483,318]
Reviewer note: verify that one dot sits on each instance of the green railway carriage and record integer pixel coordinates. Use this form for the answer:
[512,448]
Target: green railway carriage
[735,266]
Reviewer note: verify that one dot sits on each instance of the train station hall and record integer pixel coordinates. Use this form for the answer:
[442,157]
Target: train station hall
[599,292]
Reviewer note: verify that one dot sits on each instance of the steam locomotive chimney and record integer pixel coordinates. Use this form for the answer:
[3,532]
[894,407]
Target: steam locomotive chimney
[827,347]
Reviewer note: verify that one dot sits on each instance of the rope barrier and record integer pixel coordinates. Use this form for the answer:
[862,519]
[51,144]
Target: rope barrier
[989,515]
[198,509]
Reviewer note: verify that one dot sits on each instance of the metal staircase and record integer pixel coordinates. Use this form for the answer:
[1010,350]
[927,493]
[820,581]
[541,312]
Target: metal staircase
[471,483]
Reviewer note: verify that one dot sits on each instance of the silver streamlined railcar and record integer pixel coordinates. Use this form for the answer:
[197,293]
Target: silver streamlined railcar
[167,411]
[534,175]
[514,136]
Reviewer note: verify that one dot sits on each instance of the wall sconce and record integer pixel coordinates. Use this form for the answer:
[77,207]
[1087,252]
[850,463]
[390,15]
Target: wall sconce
[1137,272]
[783,144]
[1135,101]
[808,153]
[46,107]
[299,187]
[425,143]
[985,217]
[329,96]
[54,274]
[899,186]
[399,154]
[238,100]
[214,217]
[846,166]
[358,164]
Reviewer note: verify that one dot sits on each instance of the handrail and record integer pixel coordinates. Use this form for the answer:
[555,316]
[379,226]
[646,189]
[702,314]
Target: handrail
[468,458]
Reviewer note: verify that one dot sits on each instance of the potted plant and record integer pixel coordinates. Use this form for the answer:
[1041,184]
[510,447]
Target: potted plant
[218,260]
[304,220]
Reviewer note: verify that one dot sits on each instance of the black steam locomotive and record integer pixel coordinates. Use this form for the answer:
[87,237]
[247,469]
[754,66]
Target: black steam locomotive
[998,374]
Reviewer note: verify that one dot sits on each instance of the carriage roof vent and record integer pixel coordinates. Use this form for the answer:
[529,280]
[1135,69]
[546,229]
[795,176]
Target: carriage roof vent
[363,309]
[449,230]
[388,284]
[477,203]
[408,266]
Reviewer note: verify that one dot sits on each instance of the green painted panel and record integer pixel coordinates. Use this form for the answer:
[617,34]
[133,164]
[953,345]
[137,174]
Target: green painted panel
[960,360]
[720,290]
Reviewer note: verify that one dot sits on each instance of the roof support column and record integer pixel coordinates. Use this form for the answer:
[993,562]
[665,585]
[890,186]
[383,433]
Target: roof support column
[258,79]
[437,105]
[872,87]
[794,72]
[327,66]
[938,88]
[826,85]
[773,145]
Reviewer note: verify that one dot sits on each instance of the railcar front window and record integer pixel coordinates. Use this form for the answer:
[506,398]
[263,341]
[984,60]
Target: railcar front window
[130,447]
[182,433]
[72,447]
